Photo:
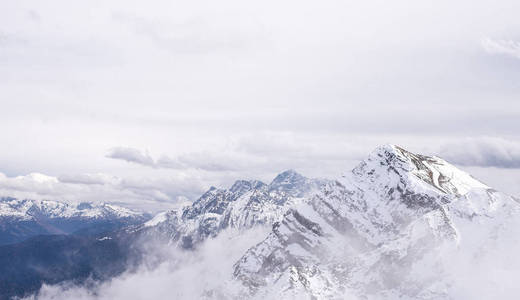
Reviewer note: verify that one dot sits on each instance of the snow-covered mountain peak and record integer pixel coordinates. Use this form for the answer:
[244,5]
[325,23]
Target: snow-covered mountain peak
[293,183]
[287,177]
[391,163]
[241,186]
[384,221]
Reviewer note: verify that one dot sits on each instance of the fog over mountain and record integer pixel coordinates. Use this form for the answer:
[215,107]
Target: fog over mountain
[398,226]
[225,149]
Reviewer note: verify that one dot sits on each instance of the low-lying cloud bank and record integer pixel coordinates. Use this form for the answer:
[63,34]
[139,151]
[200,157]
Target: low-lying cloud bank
[182,275]
[161,182]
[503,46]
[484,152]
[142,193]
[471,269]
[200,161]
[265,152]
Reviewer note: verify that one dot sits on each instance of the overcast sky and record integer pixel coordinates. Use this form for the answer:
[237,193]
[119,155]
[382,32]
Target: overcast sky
[151,102]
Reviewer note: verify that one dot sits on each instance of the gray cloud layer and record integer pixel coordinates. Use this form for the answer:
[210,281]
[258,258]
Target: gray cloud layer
[507,47]
[484,152]
[131,155]
[142,193]
[198,161]
[234,89]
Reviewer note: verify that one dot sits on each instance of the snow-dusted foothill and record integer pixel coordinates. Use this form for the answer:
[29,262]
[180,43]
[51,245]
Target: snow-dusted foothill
[24,218]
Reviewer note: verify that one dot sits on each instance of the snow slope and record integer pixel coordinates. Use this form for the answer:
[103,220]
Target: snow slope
[381,232]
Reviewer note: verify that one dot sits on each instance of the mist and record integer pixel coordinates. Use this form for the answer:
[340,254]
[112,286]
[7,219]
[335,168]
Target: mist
[167,272]
[477,264]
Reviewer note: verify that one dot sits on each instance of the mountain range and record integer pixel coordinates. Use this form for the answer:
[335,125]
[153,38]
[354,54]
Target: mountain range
[392,228]
[24,218]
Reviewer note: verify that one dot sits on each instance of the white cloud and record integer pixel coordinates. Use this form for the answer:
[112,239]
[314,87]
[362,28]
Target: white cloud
[200,161]
[88,179]
[507,47]
[182,275]
[143,193]
[131,155]
[155,184]
[483,152]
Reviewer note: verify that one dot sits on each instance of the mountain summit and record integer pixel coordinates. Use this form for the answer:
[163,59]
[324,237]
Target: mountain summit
[432,170]
[368,233]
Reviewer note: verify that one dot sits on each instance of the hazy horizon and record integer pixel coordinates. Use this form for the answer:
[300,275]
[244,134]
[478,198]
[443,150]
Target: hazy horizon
[151,104]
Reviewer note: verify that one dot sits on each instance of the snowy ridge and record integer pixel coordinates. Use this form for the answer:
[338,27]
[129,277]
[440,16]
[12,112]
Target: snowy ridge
[21,219]
[27,209]
[373,234]
[245,204]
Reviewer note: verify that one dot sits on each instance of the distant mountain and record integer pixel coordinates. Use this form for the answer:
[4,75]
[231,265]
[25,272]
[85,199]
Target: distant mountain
[53,259]
[246,204]
[43,241]
[102,254]
[24,218]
